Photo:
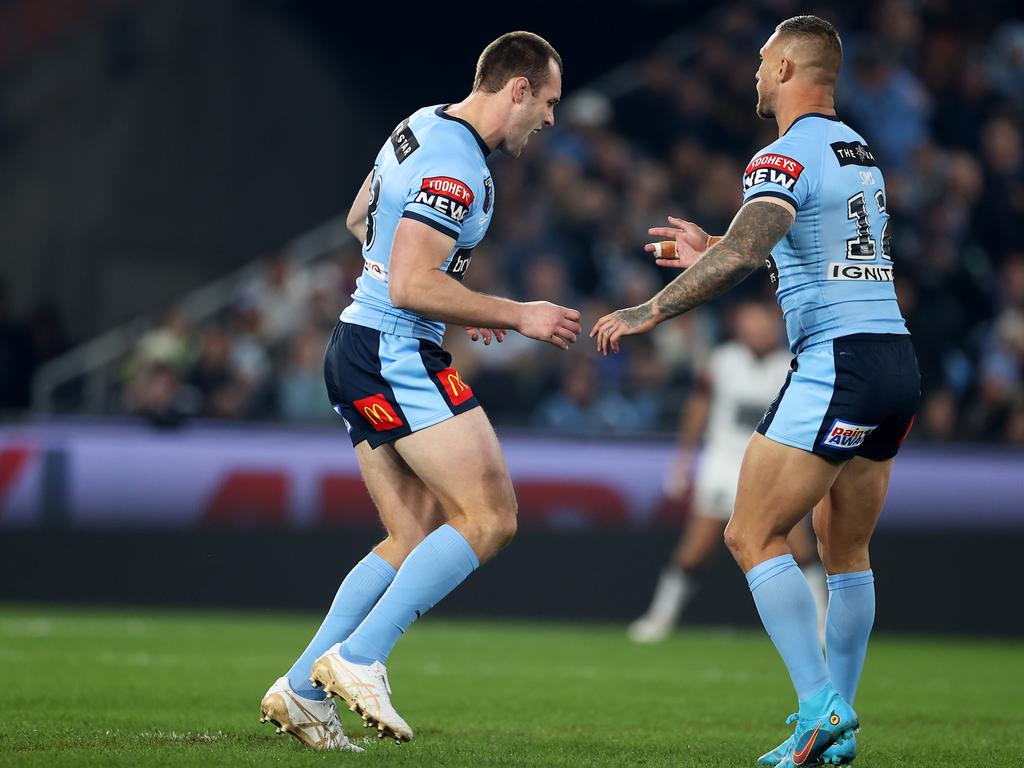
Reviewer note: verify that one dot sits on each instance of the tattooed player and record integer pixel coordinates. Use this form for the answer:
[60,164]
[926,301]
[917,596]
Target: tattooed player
[814,211]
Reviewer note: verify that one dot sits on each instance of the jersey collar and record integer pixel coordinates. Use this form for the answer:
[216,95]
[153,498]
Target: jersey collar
[440,112]
[834,118]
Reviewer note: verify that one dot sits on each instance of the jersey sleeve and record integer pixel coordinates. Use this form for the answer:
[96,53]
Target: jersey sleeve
[440,194]
[781,170]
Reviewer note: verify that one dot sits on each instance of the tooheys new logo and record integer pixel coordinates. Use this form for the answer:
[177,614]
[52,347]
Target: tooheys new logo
[447,196]
[773,169]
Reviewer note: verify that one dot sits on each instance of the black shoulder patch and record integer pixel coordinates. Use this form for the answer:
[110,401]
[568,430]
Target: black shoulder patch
[403,141]
[488,194]
[773,270]
[853,153]
[460,263]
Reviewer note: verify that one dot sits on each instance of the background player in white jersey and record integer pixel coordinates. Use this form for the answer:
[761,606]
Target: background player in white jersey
[740,379]
[427,452]
[815,212]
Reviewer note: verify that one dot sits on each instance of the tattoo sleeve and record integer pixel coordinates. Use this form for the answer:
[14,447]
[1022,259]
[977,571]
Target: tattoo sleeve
[753,233]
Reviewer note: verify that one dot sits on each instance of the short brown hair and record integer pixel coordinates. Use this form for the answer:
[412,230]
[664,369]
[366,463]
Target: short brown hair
[827,49]
[515,54]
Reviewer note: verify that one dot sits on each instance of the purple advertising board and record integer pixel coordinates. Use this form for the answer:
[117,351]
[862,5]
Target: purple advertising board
[128,475]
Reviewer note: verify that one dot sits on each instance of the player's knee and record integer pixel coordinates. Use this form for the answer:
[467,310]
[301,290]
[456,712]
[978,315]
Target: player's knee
[734,539]
[505,529]
[504,518]
[748,545]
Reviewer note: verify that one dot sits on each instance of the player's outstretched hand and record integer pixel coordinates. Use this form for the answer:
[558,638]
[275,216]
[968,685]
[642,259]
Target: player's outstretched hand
[690,242]
[624,322]
[475,334]
[549,322]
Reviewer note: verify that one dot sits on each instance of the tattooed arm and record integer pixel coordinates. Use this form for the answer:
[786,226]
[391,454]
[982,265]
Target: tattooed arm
[758,226]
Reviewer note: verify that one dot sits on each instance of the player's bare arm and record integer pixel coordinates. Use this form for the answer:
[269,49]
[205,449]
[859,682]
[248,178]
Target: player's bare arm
[417,284]
[758,226]
[356,219]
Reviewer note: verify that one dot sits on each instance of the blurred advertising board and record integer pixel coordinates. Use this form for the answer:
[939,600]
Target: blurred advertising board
[102,475]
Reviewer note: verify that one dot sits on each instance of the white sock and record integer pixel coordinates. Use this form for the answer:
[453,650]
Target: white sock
[674,590]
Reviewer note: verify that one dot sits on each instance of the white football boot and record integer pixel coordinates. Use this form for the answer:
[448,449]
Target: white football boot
[365,688]
[671,595]
[314,723]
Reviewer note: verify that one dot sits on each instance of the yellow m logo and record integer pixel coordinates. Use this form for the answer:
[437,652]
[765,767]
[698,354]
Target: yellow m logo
[456,384]
[376,414]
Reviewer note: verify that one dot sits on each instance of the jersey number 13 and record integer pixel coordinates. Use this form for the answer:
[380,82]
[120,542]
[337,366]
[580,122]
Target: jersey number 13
[862,247]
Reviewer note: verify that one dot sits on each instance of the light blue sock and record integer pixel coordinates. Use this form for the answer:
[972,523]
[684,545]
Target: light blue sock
[786,607]
[357,594]
[851,614]
[438,565]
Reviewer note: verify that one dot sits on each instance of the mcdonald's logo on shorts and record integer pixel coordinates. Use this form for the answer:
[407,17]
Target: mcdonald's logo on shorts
[458,390]
[378,411]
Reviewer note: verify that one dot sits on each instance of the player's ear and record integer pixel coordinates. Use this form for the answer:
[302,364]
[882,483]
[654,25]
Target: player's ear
[520,87]
[786,69]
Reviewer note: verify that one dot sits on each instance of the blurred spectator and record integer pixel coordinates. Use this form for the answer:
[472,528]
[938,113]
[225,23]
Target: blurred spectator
[1006,61]
[579,408]
[281,291]
[221,390]
[937,416]
[886,104]
[167,344]
[301,393]
[1002,220]
[156,394]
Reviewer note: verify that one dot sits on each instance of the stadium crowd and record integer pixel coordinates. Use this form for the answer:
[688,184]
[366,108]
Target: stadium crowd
[937,91]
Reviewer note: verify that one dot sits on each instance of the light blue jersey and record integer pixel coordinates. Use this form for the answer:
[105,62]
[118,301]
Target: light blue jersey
[834,267]
[432,169]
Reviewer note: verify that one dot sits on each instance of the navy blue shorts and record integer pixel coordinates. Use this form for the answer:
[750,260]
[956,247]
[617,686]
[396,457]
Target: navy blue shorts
[851,396]
[386,386]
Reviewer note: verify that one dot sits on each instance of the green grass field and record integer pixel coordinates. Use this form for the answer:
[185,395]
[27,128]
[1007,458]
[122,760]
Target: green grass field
[131,688]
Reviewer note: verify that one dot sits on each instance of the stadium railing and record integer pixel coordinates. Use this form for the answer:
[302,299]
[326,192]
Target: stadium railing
[94,364]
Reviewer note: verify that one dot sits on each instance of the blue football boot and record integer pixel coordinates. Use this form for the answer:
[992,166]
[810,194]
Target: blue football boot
[824,719]
[773,757]
[842,752]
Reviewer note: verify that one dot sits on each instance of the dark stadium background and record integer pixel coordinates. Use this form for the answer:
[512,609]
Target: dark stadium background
[148,150]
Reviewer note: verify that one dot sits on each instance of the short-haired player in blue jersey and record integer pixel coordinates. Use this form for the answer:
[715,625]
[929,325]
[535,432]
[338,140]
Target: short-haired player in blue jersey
[815,211]
[427,452]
